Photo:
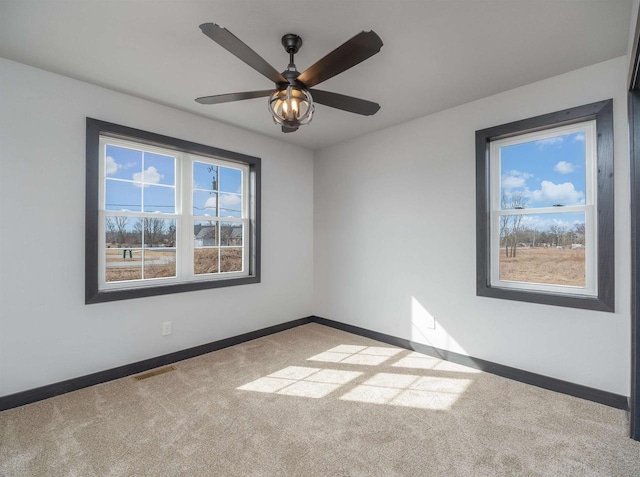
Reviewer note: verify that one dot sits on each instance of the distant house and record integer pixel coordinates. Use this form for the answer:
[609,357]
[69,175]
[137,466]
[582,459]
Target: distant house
[230,235]
[206,236]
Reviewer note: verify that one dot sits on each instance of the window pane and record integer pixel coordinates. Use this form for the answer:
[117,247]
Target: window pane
[123,264]
[230,234]
[205,176]
[159,199]
[122,232]
[205,260]
[158,232]
[230,205]
[231,259]
[123,195]
[544,248]
[205,234]
[122,163]
[159,262]
[544,173]
[230,180]
[205,203]
[159,169]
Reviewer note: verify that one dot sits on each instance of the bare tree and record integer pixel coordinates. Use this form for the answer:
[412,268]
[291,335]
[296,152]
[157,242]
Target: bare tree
[580,232]
[558,232]
[504,224]
[138,227]
[518,201]
[529,235]
[171,234]
[154,229]
[117,226]
[111,230]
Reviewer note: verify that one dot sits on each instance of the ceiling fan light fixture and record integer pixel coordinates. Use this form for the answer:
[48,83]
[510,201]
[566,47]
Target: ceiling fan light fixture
[291,106]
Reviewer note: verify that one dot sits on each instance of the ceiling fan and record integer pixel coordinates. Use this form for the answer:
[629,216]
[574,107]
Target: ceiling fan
[292,102]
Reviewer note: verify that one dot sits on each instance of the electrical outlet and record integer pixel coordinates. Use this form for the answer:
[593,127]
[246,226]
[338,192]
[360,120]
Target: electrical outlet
[166,328]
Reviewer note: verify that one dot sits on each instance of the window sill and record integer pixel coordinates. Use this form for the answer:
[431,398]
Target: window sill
[102,296]
[546,298]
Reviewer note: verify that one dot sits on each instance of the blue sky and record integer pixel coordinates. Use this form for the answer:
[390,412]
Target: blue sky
[216,185]
[145,182]
[546,173]
[146,178]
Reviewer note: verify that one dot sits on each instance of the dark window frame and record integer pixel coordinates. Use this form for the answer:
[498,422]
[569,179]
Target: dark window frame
[602,113]
[97,128]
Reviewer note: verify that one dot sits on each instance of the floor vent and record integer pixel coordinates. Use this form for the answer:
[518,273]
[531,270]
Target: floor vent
[155,372]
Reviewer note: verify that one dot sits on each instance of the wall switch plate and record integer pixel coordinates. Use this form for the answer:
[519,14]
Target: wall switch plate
[166,328]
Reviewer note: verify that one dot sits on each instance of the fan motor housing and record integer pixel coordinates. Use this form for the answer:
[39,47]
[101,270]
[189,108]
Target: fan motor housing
[291,42]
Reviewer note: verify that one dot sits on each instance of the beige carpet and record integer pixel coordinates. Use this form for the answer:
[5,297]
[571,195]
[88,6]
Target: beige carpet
[314,401]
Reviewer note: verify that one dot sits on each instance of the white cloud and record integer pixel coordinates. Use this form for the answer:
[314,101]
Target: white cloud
[229,199]
[148,176]
[565,193]
[535,222]
[564,167]
[543,143]
[210,203]
[514,179]
[541,223]
[579,137]
[112,166]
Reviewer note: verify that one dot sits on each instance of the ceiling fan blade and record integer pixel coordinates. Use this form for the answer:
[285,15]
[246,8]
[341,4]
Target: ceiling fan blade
[232,44]
[362,46]
[285,129]
[226,98]
[346,103]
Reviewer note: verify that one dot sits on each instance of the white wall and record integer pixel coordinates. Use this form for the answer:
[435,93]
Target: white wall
[47,333]
[394,215]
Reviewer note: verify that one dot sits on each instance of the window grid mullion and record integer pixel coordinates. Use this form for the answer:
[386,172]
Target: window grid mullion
[183,217]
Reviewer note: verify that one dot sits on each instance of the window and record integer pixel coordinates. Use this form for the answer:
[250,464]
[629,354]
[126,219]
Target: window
[545,209]
[166,215]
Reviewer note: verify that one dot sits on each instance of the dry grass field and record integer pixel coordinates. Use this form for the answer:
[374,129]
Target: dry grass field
[206,260]
[162,263]
[157,264]
[544,265]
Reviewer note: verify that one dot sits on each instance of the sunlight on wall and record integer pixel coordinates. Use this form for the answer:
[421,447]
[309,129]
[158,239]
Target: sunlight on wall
[421,319]
[430,390]
[423,329]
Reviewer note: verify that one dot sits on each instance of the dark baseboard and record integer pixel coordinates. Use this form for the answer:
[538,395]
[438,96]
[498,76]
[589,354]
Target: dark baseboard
[596,395]
[51,390]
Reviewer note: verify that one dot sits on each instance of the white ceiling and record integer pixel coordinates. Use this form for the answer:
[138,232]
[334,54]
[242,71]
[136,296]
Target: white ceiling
[437,53]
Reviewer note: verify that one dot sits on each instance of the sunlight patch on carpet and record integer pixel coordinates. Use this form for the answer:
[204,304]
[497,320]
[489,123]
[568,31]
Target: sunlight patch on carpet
[394,389]
[351,354]
[424,392]
[302,381]
[421,361]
